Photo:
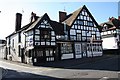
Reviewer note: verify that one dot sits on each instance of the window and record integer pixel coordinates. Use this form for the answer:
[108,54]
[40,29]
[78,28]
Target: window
[52,43]
[45,35]
[75,26]
[30,33]
[52,38]
[84,17]
[73,37]
[79,37]
[39,53]
[81,17]
[98,34]
[49,52]
[37,37]
[37,31]
[72,32]
[47,43]
[81,22]
[93,36]
[66,48]
[52,33]
[78,27]
[88,18]
[85,13]
[82,27]
[83,33]
[83,38]
[37,43]
[82,12]
[90,23]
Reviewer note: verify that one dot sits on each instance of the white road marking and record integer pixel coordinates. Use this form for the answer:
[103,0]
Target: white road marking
[104,78]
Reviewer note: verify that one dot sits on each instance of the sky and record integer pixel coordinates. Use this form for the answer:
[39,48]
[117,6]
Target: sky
[101,11]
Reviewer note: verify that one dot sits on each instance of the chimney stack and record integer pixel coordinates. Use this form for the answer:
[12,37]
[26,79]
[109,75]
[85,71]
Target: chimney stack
[18,21]
[62,16]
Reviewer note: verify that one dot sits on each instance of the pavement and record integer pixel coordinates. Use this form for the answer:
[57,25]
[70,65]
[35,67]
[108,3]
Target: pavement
[75,69]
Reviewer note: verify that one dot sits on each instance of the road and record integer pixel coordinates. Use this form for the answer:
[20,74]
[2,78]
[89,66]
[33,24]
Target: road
[104,69]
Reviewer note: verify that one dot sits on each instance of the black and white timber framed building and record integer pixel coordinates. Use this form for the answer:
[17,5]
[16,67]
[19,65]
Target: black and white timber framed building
[42,40]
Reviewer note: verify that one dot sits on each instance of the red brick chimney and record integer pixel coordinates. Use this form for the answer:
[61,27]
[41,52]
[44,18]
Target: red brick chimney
[62,16]
[18,21]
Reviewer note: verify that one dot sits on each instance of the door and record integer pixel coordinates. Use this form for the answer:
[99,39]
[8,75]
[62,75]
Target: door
[78,52]
[40,56]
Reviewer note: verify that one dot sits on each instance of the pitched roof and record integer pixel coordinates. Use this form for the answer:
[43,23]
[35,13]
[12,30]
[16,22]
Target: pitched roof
[107,23]
[57,27]
[23,28]
[33,25]
[115,23]
[36,22]
[70,20]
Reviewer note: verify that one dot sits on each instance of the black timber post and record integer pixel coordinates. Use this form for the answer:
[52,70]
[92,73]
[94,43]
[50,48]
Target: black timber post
[73,48]
[59,51]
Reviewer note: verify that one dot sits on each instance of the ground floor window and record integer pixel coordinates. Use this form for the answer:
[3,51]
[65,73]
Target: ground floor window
[46,54]
[66,48]
[94,47]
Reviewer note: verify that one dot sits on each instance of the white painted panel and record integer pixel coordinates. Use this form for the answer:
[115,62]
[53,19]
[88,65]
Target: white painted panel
[109,43]
[67,56]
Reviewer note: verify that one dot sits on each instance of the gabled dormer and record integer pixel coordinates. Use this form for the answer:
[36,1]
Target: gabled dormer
[41,33]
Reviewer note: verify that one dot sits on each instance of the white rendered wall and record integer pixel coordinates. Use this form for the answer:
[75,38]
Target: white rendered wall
[110,43]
